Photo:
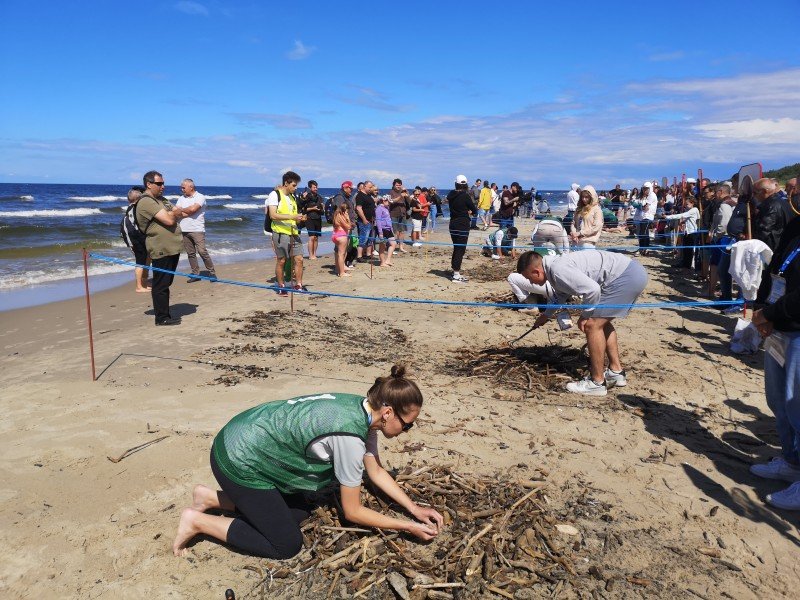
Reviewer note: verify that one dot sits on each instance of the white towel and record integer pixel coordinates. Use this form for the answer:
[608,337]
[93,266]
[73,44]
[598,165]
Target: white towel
[748,259]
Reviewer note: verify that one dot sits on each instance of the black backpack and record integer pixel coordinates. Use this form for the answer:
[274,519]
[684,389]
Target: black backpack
[129,230]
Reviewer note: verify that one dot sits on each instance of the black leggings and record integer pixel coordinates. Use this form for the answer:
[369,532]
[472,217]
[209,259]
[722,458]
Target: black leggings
[268,523]
[460,236]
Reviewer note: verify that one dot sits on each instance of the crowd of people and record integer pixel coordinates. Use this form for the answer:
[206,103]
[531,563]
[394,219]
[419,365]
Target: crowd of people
[705,222]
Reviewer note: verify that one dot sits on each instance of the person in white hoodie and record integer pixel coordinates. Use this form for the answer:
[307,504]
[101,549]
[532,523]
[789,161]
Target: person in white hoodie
[572,205]
[689,218]
[645,214]
[609,283]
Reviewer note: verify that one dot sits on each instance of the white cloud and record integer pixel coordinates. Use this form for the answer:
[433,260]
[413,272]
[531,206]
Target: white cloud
[191,8]
[764,131]
[300,51]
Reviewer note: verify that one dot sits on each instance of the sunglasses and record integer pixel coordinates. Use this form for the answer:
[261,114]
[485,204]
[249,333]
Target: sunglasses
[159,183]
[406,426]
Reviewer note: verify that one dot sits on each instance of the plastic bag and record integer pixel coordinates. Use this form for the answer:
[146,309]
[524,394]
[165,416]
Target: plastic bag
[746,338]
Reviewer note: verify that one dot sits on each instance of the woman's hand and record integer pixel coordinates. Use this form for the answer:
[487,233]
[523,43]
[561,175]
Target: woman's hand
[422,530]
[428,516]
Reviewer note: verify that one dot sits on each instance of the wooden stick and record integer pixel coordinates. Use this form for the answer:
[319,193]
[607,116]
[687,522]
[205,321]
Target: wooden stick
[364,590]
[136,449]
[435,586]
[475,538]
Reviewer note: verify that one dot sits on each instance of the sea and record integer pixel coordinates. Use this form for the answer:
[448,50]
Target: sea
[44,227]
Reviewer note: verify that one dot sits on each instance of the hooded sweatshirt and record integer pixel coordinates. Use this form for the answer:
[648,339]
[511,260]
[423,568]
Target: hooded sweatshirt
[590,224]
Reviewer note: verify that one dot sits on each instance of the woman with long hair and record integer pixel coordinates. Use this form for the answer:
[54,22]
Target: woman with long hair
[588,219]
[270,458]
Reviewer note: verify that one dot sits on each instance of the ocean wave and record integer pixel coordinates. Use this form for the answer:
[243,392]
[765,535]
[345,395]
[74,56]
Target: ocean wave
[23,198]
[97,198]
[234,251]
[70,212]
[36,277]
[242,206]
[260,196]
[222,197]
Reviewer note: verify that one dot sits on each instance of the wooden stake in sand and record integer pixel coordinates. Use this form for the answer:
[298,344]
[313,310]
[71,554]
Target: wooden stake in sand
[88,309]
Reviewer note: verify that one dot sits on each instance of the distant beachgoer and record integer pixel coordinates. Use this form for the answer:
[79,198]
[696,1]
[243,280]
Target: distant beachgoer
[588,219]
[313,207]
[340,237]
[572,206]
[415,205]
[502,243]
[461,210]
[365,221]
[509,202]
[645,214]
[779,323]
[475,194]
[158,218]
[398,208]
[385,232]
[137,242]
[286,243]
[268,459]
[689,219]
[594,278]
[485,205]
[193,227]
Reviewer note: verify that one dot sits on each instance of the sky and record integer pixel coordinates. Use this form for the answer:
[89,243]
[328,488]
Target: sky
[233,93]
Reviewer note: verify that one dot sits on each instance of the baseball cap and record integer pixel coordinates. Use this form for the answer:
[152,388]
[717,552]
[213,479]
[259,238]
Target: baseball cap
[647,184]
[347,184]
[544,252]
[461,179]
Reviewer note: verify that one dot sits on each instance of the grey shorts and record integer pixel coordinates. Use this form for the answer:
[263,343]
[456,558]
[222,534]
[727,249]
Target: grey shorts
[625,289]
[282,242]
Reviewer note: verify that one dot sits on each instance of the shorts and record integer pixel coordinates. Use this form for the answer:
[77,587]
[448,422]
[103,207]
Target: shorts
[482,212]
[417,224]
[285,244]
[399,225]
[388,236]
[365,237]
[314,227]
[140,254]
[625,289]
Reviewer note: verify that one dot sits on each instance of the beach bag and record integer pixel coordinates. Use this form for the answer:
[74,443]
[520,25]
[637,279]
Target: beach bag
[746,338]
[129,229]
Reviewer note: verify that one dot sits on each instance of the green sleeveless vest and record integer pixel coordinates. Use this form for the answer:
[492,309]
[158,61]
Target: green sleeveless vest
[266,446]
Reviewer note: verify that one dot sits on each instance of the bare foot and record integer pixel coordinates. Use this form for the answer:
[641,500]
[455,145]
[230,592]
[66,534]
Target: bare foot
[186,531]
[142,290]
[312,258]
[203,498]
[345,275]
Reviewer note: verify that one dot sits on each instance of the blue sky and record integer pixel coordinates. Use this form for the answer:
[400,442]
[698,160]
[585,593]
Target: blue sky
[236,92]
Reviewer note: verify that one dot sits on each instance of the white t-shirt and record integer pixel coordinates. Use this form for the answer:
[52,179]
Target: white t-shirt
[652,206]
[197,222]
[572,200]
[272,200]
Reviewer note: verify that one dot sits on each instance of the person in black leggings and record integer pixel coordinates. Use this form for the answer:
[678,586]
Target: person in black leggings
[270,458]
[461,210]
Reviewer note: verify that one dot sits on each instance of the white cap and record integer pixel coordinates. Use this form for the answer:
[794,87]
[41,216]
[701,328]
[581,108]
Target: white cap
[647,184]
[461,179]
[691,180]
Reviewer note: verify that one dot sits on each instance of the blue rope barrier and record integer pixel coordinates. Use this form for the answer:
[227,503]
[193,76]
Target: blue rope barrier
[692,303]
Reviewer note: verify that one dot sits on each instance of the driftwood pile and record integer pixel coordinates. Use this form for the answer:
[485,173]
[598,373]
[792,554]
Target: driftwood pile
[499,539]
[528,368]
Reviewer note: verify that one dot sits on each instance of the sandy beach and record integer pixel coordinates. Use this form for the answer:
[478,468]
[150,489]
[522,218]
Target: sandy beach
[664,461]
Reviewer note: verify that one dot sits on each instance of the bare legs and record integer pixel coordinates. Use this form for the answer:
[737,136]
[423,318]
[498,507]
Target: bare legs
[601,338]
[141,279]
[313,243]
[341,251]
[386,250]
[194,521]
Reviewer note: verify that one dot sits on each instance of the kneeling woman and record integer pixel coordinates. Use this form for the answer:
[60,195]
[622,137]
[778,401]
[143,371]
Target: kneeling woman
[266,458]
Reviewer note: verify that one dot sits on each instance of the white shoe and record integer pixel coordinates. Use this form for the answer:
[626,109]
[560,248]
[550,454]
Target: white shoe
[777,468]
[587,387]
[788,499]
[375,253]
[615,379]
[495,257]
[459,278]
[417,245]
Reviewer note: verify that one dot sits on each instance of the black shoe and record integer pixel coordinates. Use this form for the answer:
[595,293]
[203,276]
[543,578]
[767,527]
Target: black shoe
[193,280]
[213,279]
[169,321]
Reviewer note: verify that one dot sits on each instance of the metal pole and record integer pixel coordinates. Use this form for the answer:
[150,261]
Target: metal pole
[88,309]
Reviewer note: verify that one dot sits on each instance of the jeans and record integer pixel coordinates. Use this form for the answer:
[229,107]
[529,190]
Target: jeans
[194,242]
[782,389]
[365,237]
[161,283]
[643,233]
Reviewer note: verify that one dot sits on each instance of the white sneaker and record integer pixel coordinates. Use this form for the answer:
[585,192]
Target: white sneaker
[788,499]
[417,245]
[587,387]
[495,257]
[375,253]
[615,379]
[777,468]
[459,278]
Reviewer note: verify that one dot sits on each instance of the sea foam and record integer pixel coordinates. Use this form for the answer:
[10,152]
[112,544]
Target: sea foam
[70,212]
[242,206]
[96,198]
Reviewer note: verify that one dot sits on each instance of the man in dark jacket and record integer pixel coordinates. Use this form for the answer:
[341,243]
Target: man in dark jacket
[780,320]
[772,216]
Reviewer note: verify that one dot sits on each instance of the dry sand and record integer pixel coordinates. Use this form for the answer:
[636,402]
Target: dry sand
[662,465]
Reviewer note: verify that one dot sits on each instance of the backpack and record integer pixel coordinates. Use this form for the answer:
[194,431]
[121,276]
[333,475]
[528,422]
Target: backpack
[129,230]
[267,218]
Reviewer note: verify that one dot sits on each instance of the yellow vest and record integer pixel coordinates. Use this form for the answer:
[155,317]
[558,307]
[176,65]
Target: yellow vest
[287,205]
